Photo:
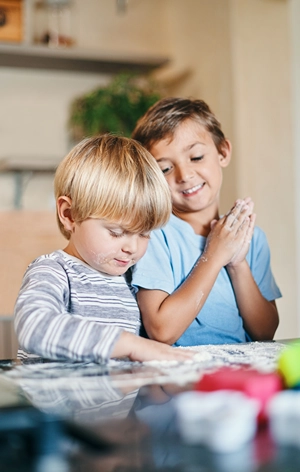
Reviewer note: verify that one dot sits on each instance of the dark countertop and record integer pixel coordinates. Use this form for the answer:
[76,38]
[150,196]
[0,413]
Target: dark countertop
[58,417]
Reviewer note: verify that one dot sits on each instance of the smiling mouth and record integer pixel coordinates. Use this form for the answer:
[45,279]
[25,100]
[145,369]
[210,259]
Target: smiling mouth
[192,190]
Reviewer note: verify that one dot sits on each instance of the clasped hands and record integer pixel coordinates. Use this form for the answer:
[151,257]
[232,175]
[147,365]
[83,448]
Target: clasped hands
[231,235]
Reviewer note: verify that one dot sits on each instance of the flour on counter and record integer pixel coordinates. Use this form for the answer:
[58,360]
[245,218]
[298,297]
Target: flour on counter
[120,373]
[198,357]
[262,356]
[259,355]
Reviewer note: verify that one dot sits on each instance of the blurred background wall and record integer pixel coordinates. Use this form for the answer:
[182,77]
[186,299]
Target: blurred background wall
[241,56]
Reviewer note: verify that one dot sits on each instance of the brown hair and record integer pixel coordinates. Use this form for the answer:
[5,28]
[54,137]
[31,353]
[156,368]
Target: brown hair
[162,119]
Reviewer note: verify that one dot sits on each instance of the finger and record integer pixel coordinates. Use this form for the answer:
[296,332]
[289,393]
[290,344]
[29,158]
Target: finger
[249,205]
[248,200]
[237,203]
[253,218]
[237,215]
[230,220]
[244,225]
[251,226]
[213,223]
[245,212]
[250,229]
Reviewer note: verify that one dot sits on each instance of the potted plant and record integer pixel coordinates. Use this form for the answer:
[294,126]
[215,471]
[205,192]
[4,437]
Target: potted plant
[114,108]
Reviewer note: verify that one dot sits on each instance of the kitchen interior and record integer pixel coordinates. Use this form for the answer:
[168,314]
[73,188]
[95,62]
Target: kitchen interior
[194,48]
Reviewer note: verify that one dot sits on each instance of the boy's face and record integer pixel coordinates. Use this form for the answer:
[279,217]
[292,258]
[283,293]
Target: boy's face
[106,246]
[192,166]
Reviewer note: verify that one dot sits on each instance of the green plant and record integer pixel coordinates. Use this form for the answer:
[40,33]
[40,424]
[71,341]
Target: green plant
[114,108]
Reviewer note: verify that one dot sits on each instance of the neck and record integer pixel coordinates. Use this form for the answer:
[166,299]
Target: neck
[199,221]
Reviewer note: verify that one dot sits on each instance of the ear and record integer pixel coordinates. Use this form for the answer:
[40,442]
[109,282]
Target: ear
[63,206]
[225,153]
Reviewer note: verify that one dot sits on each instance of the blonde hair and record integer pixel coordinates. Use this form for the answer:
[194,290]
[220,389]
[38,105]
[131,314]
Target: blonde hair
[113,178]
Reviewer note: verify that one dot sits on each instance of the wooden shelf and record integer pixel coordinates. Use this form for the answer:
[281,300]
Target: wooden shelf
[23,169]
[73,59]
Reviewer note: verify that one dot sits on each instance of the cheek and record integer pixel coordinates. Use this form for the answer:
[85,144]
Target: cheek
[214,173]
[93,245]
[98,257]
[171,184]
[101,253]
[143,248]
[219,173]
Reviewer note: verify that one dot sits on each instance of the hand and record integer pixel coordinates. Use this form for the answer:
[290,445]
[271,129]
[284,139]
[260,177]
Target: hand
[142,349]
[149,350]
[229,237]
[241,255]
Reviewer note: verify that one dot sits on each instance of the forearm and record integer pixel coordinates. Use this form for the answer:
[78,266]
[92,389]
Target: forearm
[167,316]
[260,316]
[44,328]
[175,312]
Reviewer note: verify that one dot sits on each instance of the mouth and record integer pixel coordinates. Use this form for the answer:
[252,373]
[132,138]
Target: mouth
[122,262]
[192,190]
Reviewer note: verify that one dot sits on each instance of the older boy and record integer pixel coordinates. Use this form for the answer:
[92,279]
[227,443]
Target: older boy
[205,279]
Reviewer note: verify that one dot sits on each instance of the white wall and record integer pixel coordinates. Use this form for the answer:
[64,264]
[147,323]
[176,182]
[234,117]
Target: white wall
[33,123]
[264,135]
[35,104]
[200,47]
[238,55]
[140,30]
[295,103]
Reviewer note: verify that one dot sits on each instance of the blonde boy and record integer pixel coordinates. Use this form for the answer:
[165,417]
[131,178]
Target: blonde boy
[74,303]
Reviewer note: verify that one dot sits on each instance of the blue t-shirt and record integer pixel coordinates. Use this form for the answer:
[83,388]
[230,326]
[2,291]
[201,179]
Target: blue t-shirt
[172,253]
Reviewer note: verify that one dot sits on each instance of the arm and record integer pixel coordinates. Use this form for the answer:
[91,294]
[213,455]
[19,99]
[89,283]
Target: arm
[46,328]
[162,312]
[260,316]
[141,349]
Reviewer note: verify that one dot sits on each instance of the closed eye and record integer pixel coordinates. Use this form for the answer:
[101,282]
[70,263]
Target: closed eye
[199,158]
[145,235]
[116,235]
[165,170]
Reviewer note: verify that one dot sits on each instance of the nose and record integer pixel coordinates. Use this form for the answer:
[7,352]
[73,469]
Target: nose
[183,173]
[130,244]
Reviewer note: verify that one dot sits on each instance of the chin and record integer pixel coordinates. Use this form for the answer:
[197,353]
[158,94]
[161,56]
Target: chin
[117,271]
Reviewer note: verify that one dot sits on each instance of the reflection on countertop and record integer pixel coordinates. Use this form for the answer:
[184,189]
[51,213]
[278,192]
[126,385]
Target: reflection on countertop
[121,416]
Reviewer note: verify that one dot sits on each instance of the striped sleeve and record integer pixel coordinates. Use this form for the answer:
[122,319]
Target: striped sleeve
[45,326]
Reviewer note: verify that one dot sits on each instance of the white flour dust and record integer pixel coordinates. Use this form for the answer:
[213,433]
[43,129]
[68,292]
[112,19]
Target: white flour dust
[262,356]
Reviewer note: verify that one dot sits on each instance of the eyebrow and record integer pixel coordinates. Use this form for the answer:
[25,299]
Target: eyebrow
[111,225]
[189,147]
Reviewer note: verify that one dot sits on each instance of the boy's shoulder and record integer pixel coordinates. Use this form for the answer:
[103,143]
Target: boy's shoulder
[62,262]
[58,260]
[48,259]
[176,225]
[259,233]
[183,231]
[177,231]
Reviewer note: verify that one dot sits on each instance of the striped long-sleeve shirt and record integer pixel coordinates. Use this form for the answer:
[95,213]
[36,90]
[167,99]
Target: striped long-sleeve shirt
[67,310]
